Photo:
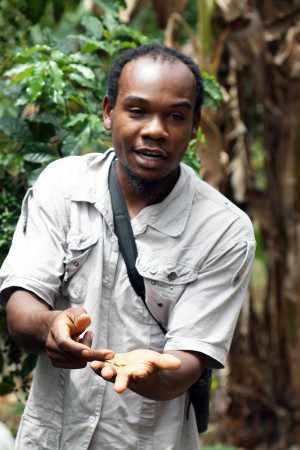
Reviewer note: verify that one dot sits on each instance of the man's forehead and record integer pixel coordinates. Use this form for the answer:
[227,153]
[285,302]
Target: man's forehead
[154,61]
[147,70]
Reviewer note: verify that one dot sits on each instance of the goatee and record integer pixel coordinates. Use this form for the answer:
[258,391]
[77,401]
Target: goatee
[151,189]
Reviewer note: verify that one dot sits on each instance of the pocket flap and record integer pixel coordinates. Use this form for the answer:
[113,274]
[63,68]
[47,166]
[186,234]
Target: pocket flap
[80,240]
[170,272]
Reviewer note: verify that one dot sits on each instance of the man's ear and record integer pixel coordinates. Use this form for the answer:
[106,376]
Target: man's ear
[196,123]
[107,113]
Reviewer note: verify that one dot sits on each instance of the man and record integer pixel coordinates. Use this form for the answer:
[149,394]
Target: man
[64,273]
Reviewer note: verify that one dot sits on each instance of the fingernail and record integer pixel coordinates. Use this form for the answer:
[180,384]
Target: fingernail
[85,353]
[109,356]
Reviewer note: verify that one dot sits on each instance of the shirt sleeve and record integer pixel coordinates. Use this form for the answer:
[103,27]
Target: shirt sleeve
[205,316]
[35,259]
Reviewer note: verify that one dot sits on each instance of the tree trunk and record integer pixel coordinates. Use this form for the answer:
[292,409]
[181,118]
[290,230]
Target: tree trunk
[264,383]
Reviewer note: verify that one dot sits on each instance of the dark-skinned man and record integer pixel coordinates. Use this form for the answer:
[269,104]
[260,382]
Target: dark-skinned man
[65,285]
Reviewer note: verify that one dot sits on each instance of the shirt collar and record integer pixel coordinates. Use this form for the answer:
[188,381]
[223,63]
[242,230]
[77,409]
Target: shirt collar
[169,216]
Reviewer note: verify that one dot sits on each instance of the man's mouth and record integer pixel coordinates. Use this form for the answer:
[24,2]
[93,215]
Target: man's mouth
[150,155]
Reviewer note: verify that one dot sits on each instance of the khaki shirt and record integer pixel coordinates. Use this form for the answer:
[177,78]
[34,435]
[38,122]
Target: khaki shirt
[195,250]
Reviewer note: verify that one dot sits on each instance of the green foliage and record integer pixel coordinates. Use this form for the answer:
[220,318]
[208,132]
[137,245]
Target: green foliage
[61,91]
[212,91]
[51,107]
[191,157]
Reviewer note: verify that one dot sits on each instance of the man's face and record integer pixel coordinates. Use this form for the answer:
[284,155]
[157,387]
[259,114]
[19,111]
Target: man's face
[153,118]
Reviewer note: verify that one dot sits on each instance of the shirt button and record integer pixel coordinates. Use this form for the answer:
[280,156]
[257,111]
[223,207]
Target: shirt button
[160,304]
[153,270]
[112,239]
[153,282]
[172,276]
[92,419]
[105,279]
[76,263]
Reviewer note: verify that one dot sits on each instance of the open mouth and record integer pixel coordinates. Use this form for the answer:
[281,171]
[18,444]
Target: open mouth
[150,155]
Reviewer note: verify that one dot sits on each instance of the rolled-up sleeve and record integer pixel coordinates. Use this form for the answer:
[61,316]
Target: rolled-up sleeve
[205,316]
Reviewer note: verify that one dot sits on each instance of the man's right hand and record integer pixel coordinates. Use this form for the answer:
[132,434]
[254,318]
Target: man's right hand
[38,329]
[64,346]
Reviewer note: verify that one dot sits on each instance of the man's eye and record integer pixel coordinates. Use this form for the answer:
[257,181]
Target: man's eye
[177,116]
[136,111]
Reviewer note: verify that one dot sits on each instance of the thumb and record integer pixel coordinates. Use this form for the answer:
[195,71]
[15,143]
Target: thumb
[81,323]
[166,361]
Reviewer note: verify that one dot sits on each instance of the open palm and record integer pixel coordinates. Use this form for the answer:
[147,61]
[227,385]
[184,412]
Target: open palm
[134,366]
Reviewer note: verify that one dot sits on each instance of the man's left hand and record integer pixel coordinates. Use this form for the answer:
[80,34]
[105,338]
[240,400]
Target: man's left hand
[134,367]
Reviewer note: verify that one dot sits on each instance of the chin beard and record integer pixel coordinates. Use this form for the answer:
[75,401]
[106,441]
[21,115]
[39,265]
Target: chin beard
[151,189]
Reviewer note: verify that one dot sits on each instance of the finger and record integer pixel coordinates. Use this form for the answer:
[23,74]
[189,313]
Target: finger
[167,362]
[83,321]
[121,382]
[108,372]
[65,364]
[140,373]
[65,361]
[87,339]
[97,366]
[77,349]
[99,354]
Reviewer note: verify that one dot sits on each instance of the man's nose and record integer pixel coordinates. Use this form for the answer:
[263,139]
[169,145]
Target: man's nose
[155,128]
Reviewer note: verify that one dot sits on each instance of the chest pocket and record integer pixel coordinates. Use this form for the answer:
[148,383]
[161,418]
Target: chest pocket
[76,274]
[165,282]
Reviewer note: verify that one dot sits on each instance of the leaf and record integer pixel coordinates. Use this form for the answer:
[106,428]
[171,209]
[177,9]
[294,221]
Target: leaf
[79,101]
[108,6]
[82,81]
[74,120]
[92,25]
[25,74]
[28,365]
[39,153]
[90,59]
[16,129]
[75,142]
[6,386]
[59,57]
[45,118]
[35,48]
[36,82]
[12,92]
[55,43]
[34,174]
[92,44]
[18,69]
[110,23]
[85,71]
[57,82]
[35,10]
[96,123]
[212,91]
[58,9]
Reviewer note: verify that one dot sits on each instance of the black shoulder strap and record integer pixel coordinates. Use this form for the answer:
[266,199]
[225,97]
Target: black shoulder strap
[200,390]
[125,236]
[124,232]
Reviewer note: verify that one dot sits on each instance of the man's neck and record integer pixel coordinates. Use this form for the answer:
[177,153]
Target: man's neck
[139,193]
